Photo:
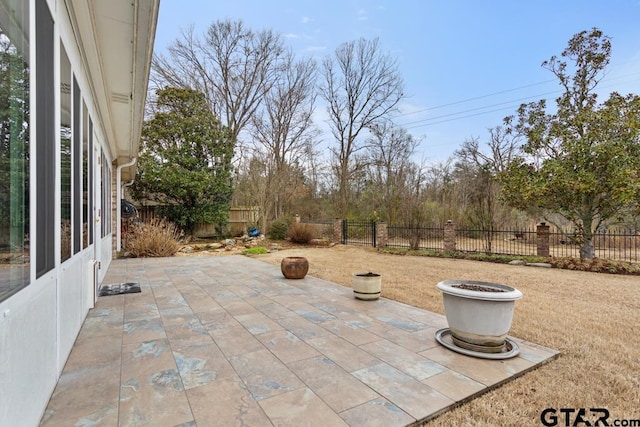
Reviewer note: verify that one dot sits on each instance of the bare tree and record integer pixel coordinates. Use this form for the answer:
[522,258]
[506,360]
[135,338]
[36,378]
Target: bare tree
[361,86]
[282,129]
[232,65]
[502,148]
[390,168]
[476,172]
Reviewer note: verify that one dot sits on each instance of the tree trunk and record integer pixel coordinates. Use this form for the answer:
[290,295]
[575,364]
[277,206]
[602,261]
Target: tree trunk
[587,251]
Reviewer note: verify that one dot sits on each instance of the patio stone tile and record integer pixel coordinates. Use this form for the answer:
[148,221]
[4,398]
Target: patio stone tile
[311,313]
[217,319]
[184,331]
[535,353]
[350,332]
[95,353]
[112,306]
[143,330]
[244,292]
[103,326]
[407,361]
[237,308]
[377,413]
[485,371]
[151,391]
[141,312]
[286,346]
[170,314]
[400,322]
[413,397]
[234,341]
[300,407]
[342,352]
[147,357]
[257,323]
[201,363]
[264,374]
[302,328]
[85,396]
[272,309]
[454,385]
[223,296]
[225,403]
[338,388]
[201,302]
[401,337]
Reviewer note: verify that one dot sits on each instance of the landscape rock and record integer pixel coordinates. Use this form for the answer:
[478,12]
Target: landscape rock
[540,264]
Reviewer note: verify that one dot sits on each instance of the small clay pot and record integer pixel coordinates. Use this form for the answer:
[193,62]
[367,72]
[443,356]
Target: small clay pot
[294,267]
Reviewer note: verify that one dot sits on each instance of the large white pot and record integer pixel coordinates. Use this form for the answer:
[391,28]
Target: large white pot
[367,286]
[479,320]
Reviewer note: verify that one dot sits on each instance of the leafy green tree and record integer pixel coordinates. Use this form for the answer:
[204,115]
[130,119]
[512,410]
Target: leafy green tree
[185,160]
[581,160]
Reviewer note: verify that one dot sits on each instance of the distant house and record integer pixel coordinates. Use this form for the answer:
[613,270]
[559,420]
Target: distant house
[73,83]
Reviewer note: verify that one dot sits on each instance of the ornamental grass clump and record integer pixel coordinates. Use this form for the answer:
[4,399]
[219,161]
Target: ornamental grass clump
[300,233]
[156,238]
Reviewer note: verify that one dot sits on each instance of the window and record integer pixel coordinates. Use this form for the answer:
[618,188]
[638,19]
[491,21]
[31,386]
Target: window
[65,155]
[45,141]
[76,158]
[14,146]
[85,175]
[90,182]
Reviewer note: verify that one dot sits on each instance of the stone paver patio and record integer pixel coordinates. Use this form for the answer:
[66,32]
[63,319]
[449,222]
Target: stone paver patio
[225,341]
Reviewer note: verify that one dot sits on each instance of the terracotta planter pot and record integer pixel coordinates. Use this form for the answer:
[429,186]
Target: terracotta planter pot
[294,267]
[479,313]
[367,286]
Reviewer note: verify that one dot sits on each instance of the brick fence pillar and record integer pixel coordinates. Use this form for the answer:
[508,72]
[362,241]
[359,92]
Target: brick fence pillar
[382,235]
[337,230]
[449,236]
[542,239]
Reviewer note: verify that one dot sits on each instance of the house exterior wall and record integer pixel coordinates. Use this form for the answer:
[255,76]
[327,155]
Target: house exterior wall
[40,322]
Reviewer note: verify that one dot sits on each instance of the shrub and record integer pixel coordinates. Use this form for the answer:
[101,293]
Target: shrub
[156,238]
[278,230]
[257,250]
[300,233]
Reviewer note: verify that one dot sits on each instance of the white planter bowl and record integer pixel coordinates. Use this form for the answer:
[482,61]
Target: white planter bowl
[479,320]
[367,286]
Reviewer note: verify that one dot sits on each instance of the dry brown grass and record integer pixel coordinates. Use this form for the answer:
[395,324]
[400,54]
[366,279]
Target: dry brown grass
[591,318]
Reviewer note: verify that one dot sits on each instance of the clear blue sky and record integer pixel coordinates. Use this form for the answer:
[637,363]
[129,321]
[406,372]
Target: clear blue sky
[466,63]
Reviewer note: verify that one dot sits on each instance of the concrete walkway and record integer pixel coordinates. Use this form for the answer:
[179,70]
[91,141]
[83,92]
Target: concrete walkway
[226,341]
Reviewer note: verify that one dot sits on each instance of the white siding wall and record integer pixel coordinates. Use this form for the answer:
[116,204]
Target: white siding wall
[39,324]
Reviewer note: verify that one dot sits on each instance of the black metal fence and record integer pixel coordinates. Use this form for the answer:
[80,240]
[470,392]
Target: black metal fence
[362,233]
[615,244]
[504,242]
[416,237]
[618,244]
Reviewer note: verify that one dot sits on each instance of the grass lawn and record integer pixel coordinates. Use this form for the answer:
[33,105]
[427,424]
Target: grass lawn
[592,318]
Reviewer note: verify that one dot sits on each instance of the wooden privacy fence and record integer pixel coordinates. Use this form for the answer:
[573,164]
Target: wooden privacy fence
[622,245]
[240,218]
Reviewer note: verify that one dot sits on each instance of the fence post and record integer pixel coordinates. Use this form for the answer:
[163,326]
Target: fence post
[449,236]
[337,230]
[542,239]
[382,235]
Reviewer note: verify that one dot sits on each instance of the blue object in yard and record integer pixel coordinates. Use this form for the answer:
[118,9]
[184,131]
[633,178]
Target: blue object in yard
[254,232]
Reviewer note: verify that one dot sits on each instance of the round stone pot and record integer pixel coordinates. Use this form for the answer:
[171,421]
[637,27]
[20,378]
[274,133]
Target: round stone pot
[479,313]
[294,267]
[367,286]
